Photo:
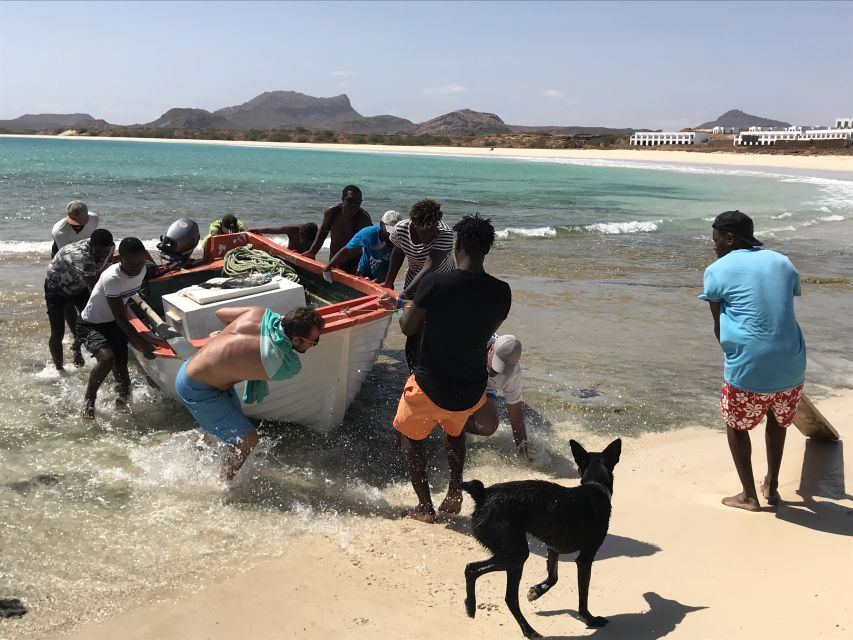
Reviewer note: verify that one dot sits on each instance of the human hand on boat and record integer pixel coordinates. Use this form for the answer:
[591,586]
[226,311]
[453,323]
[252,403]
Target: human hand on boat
[327,275]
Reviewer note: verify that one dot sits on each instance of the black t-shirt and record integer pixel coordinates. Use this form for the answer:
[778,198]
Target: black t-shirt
[463,310]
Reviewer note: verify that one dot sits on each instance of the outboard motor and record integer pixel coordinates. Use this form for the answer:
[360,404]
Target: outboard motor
[178,244]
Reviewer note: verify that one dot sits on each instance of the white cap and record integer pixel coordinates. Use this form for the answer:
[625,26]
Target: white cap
[390,218]
[506,352]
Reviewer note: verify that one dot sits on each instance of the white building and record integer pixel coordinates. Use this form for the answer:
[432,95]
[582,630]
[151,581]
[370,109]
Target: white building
[719,129]
[844,123]
[768,138]
[655,138]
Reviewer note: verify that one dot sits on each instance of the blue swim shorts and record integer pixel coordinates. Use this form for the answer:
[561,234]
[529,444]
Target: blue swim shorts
[218,412]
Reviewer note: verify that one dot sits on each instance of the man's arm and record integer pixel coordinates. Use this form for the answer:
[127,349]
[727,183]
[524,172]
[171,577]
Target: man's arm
[433,261]
[119,309]
[516,421]
[715,311]
[412,320]
[227,315]
[344,255]
[285,229]
[394,264]
[322,233]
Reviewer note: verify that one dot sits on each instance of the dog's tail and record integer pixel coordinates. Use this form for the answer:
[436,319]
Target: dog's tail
[476,489]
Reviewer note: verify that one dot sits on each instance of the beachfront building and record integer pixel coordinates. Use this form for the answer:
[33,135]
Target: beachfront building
[719,130]
[655,138]
[843,123]
[769,138]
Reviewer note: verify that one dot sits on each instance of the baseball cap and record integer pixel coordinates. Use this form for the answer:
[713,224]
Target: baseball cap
[390,218]
[738,224]
[78,208]
[506,352]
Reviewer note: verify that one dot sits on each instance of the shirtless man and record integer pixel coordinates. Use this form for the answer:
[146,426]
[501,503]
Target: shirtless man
[343,220]
[300,237]
[256,345]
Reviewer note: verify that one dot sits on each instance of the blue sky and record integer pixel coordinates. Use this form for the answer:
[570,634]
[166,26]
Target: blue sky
[637,64]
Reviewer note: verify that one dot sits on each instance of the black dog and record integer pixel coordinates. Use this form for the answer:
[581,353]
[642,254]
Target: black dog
[565,519]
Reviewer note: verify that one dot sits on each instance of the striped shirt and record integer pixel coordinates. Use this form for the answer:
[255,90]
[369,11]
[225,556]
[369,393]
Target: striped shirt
[416,254]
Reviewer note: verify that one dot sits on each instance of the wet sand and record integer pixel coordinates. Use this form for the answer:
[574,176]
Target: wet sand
[676,562]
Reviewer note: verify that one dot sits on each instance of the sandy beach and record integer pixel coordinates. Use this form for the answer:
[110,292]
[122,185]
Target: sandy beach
[834,163]
[676,563]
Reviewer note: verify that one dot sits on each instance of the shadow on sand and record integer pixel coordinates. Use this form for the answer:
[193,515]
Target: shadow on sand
[661,619]
[822,477]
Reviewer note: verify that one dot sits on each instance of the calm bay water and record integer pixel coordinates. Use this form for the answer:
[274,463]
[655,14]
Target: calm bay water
[605,261]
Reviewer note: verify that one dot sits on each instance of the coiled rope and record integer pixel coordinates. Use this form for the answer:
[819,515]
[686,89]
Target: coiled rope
[243,261]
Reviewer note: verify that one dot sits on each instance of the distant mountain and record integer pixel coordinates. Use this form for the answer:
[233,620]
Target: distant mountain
[44,121]
[190,119]
[740,120]
[570,131]
[464,122]
[375,124]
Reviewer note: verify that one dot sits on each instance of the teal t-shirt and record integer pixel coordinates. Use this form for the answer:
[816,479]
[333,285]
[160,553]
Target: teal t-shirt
[763,346]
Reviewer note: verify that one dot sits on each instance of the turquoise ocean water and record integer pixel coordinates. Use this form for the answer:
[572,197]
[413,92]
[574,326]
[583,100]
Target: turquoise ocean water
[605,260]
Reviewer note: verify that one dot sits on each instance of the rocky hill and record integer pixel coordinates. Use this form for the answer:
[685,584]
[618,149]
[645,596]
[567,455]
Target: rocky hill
[740,120]
[48,121]
[375,124]
[463,122]
[571,131]
[189,119]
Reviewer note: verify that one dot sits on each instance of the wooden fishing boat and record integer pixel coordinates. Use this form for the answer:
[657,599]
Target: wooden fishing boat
[332,372]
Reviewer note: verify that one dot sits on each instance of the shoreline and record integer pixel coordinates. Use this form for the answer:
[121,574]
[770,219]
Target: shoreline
[823,163]
[674,562]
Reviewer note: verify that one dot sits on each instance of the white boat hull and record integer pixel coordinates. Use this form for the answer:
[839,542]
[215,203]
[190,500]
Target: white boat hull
[318,397]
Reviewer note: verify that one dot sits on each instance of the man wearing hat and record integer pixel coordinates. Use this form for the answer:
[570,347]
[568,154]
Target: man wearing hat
[751,294]
[78,224]
[373,247]
[502,363]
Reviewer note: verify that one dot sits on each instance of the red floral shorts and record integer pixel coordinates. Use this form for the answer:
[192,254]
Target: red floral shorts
[743,410]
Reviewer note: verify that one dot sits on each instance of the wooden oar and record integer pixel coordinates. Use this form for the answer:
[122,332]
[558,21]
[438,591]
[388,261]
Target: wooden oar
[811,422]
[182,348]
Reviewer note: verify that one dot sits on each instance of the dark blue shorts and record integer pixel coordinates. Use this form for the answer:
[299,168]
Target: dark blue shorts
[217,412]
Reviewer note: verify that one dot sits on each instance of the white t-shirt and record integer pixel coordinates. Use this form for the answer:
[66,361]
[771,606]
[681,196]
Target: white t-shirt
[508,382]
[64,233]
[113,283]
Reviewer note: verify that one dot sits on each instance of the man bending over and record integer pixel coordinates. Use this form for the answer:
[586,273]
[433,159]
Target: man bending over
[256,345]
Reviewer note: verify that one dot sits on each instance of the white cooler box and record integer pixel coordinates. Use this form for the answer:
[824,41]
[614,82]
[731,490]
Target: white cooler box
[192,311]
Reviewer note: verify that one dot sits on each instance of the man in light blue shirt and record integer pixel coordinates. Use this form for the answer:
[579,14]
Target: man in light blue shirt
[372,244]
[751,294]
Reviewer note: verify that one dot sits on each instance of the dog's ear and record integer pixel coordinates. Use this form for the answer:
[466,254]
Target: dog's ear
[613,452]
[579,453]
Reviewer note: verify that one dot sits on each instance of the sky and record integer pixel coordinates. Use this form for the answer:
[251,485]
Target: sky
[661,65]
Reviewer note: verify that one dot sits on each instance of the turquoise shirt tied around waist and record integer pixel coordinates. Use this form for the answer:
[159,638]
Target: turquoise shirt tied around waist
[277,355]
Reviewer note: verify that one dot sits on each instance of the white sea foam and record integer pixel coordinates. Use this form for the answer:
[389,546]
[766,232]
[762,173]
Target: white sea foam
[535,232]
[623,227]
[832,218]
[781,216]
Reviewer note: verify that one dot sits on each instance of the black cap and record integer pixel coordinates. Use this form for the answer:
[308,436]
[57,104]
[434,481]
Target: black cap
[738,224]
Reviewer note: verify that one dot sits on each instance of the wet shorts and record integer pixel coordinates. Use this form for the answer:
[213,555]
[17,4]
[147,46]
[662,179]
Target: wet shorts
[98,337]
[56,298]
[743,410]
[417,414]
[217,412]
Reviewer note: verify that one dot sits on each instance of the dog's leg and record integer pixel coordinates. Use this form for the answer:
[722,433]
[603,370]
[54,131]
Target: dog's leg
[584,563]
[513,579]
[473,571]
[542,588]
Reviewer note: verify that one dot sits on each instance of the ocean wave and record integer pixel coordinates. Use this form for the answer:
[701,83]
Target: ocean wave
[781,216]
[609,228]
[536,232]
[44,247]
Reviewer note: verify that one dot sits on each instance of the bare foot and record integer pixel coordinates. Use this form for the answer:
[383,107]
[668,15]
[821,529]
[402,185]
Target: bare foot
[421,514]
[741,501]
[452,503]
[770,494]
[88,410]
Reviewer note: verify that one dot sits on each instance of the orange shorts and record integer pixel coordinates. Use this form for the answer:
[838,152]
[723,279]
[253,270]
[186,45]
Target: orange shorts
[417,414]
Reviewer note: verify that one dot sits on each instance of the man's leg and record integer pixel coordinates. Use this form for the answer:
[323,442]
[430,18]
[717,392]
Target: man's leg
[741,448]
[414,452]
[105,362]
[55,314]
[121,375]
[484,421]
[774,439]
[454,446]
[235,459]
